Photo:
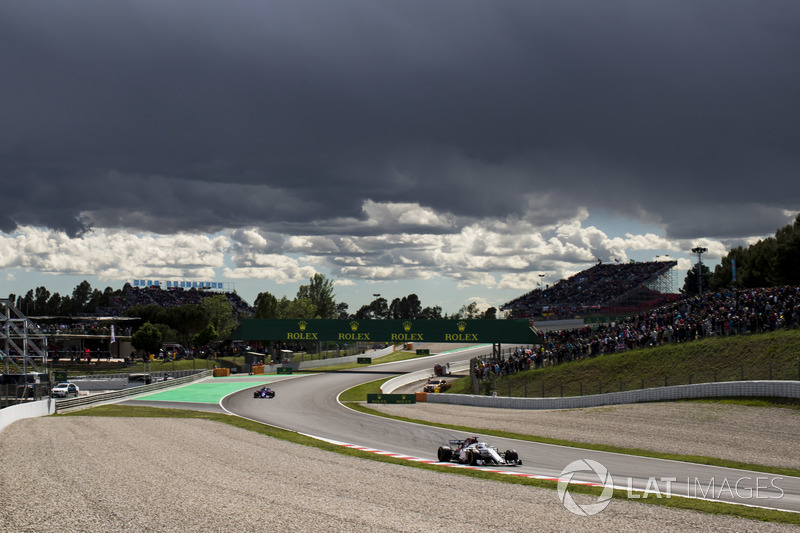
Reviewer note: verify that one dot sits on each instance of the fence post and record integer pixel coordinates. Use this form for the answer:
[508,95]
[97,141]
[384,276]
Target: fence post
[742,372]
[715,376]
[562,389]
[601,386]
[666,381]
[690,379]
[642,383]
[542,388]
[526,389]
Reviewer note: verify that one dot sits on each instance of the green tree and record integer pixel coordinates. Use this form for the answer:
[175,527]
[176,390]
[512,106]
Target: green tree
[27,304]
[205,337]
[53,305]
[81,295]
[148,313]
[266,305]
[320,292]
[147,338]
[406,307]
[41,298]
[396,309]
[431,313]
[787,254]
[96,300]
[220,314]
[490,314]
[297,308]
[168,334]
[341,311]
[186,320]
[723,272]
[691,284]
[758,270]
[378,308]
[469,311]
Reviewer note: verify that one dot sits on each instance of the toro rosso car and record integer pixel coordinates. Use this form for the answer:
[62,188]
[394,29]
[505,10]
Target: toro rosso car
[264,392]
[472,452]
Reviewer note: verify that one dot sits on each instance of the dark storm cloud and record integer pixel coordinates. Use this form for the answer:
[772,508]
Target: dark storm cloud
[184,115]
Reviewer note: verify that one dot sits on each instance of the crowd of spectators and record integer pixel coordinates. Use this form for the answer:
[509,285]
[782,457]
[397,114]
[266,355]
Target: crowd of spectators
[601,285]
[720,313]
[82,327]
[520,359]
[170,297]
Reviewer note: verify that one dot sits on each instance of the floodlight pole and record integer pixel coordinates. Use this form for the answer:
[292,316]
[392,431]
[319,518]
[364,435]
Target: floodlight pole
[699,250]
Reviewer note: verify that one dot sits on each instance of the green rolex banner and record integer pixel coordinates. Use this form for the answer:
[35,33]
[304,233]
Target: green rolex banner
[391,398]
[392,331]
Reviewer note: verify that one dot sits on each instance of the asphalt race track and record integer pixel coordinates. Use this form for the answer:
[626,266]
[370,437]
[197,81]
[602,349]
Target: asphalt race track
[309,405]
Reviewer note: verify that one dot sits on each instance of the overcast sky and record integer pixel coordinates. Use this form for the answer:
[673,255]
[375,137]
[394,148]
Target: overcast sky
[455,149]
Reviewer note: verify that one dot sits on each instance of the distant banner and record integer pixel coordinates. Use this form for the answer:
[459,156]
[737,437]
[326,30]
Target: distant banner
[177,284]
[733,270]
[391,398]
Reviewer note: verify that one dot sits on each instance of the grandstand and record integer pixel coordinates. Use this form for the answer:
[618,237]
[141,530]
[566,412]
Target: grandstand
[604,289]
[169,297]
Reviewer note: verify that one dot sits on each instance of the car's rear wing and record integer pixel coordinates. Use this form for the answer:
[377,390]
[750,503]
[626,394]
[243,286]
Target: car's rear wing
[456,443]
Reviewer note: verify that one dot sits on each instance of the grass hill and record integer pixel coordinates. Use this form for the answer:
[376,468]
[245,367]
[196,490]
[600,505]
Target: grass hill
[773,355]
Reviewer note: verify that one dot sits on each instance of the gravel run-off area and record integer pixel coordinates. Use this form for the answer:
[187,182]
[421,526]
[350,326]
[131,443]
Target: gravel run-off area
[125,474]
[759,435]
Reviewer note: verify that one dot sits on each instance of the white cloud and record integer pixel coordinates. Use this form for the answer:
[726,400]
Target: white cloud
[494,254]
[390,214]
[114,254]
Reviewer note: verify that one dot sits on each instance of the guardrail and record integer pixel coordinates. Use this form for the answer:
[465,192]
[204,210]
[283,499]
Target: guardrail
[776,389]
[124,375]
[94,399]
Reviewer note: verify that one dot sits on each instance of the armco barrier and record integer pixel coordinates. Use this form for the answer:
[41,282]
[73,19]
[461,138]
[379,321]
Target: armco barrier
[777,389]
[95,399]
[12,413]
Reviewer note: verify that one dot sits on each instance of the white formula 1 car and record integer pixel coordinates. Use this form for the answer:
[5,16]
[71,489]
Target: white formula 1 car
[470,451]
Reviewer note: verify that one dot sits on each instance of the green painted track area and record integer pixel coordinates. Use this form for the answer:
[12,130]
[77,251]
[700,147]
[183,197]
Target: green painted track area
[206,391]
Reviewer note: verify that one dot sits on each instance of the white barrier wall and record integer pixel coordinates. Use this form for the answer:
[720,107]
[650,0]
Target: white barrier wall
[779,389]
[12,413]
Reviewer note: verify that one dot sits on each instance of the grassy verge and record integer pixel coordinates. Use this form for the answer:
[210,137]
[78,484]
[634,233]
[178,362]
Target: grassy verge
[743,357]
[676,503]
[359,392]
[391,358]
